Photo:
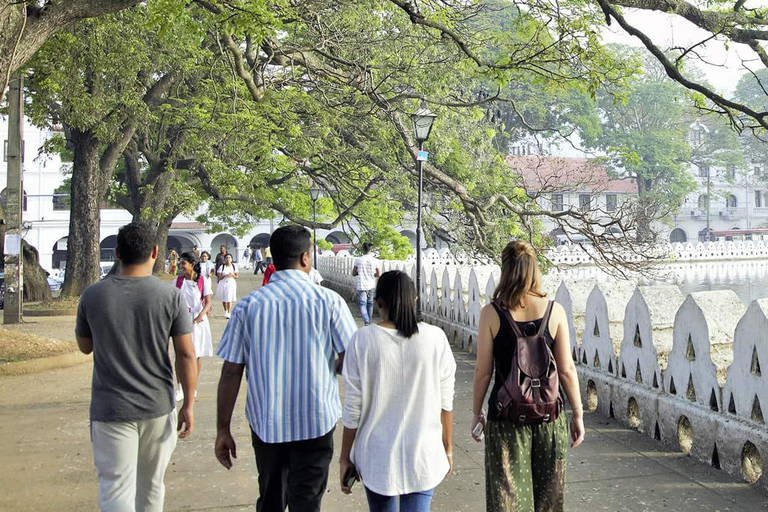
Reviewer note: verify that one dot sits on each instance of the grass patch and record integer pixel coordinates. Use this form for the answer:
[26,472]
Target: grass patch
[56,304]
[21,346]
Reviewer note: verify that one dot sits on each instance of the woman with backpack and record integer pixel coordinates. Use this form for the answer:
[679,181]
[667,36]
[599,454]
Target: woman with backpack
[196,291]
[523,339]
[398,408]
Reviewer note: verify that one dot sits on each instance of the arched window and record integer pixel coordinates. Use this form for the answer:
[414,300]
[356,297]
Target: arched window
[678,236]
[731,201]
[703,201]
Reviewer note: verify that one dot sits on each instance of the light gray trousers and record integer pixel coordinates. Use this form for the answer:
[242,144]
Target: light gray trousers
[131,458]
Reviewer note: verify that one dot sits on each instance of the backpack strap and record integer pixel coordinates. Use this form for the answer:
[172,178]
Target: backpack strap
[545,321]
[510,320]
[179,281]
[201,287]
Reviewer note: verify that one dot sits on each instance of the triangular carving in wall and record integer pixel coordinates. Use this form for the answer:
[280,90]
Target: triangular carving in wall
[638,339]
[757,411]
[610,366]
[584,357]
[638,373]
[690,352]
[596,362]
[715,458]
[655,381]
[672,388]
[690,393]
[573,355]
[610,411]
[755,367]
[623,371]
[657,432]
[731,405]
[713,401]
[596,331]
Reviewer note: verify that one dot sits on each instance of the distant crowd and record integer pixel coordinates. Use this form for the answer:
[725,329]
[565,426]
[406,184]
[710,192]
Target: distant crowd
[290,338]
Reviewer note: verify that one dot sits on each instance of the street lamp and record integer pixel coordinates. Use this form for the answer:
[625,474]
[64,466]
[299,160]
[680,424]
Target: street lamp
[422,125]
[314,194]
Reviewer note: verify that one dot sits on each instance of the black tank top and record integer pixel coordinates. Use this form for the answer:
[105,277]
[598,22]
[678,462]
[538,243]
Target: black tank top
[504,343]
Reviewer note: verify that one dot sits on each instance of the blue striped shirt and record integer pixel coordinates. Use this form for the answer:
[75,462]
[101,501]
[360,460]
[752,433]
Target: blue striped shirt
[287,334]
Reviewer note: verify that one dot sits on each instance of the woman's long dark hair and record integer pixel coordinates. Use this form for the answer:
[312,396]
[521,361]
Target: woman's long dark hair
[396,290]
[190,258]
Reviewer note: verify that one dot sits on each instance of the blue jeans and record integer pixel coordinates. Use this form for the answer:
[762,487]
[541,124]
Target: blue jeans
[365,301]
[414,502]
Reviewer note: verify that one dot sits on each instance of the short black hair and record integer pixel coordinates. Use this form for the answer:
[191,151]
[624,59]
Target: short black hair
[396,290]
[135,242]
[367,246]
[288,243]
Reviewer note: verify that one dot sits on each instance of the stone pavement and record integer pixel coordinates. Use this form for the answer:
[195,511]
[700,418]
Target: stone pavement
[46,462]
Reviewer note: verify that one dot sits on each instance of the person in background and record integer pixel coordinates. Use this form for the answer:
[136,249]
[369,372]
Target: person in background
[207,269]
[226,291]
[285,338]
[173,258]
[398,407]
[367,268]
[315,276]
[247,257]
[268,255]
[126,322]
[258,261]
[196,291]
[196,252]
[524,464]
[268,274]
[219,261]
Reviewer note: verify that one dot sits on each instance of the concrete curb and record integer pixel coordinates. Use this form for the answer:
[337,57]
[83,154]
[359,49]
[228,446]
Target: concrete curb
[50,312]
[43,364]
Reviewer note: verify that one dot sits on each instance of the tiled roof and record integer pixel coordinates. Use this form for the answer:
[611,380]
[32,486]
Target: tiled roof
[561,174]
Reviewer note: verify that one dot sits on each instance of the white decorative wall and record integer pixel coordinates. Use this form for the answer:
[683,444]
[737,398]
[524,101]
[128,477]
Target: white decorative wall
[647,339]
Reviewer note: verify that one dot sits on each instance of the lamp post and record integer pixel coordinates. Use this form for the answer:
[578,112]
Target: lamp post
[422,125]
[314,194]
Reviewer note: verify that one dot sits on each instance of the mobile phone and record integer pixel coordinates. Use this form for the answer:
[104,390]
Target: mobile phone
[350,476]
[478,430]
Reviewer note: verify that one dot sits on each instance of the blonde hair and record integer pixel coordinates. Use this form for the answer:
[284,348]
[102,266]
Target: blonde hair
[520,275]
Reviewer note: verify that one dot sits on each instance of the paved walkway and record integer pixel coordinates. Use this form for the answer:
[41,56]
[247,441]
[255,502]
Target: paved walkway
[46,464]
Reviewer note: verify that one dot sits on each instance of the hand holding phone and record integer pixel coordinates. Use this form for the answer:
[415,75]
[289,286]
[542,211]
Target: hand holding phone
[478,430]
[350,476]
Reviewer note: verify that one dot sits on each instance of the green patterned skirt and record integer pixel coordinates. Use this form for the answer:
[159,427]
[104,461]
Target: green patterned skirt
[525,466]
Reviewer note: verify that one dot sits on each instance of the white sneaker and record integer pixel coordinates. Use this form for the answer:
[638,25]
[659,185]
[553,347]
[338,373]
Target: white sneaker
[179,394]
[226,314]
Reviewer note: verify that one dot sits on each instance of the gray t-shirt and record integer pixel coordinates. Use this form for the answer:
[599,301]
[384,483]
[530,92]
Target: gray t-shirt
[130,320]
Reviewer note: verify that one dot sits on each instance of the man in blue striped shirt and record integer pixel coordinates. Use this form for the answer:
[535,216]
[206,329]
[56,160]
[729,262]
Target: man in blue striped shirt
[286,334]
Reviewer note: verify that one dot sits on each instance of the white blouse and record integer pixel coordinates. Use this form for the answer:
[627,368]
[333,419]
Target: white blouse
[396,389]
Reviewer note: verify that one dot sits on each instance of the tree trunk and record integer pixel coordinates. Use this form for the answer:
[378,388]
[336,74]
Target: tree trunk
[36,287]
[161,239]
[85,217]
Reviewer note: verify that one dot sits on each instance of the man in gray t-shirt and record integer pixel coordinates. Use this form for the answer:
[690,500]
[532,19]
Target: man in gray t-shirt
[126,321]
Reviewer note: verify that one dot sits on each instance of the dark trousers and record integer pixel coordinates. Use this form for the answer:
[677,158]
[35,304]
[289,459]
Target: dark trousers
[259,265]
[292,475]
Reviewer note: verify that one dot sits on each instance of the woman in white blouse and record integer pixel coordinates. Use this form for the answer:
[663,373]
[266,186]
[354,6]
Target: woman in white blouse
[398,408]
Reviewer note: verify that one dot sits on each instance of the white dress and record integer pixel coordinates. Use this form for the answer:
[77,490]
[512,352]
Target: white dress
[226,291]
[201,331]
[205,269]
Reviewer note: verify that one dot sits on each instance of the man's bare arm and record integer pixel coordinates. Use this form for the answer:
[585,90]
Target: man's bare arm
[85,345]
[186,367]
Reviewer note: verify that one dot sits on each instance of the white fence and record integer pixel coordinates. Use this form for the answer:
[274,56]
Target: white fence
[576,255]
[685,370]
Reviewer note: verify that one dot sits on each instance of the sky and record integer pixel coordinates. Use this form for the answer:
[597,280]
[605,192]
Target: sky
[725,65]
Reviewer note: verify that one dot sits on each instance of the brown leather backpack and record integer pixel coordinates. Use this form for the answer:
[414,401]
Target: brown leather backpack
[530,393]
